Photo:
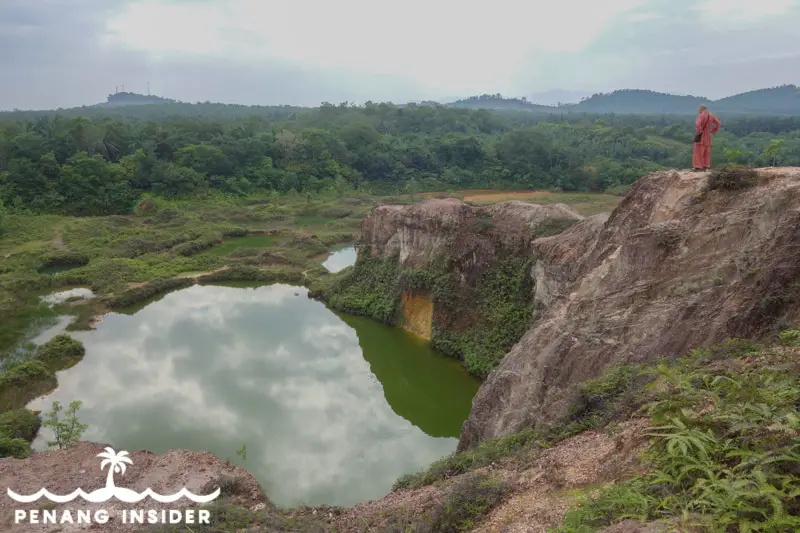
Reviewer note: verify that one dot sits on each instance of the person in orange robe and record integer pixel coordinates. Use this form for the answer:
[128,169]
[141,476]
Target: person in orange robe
[706,125]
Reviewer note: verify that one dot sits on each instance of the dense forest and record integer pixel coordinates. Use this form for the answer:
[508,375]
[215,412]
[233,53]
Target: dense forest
[101,164]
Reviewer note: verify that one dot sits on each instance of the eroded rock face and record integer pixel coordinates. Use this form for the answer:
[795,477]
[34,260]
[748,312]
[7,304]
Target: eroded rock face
[468,236]
[63,471]
[670,269]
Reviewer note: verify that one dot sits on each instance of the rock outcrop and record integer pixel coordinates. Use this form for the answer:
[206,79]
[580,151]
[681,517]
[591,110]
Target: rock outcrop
[468,236]
[455,274]
[675,266]
[63,471]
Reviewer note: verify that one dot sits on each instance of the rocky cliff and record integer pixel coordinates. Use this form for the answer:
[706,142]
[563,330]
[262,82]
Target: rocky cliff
[676,265]
[455,274]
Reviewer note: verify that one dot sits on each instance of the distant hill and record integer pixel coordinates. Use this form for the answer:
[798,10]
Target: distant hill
[127,98]
[497,101]
[640,102]
[783,100]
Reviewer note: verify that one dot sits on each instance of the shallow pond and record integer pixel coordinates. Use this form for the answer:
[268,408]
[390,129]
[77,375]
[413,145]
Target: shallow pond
[332,409]
[341,259]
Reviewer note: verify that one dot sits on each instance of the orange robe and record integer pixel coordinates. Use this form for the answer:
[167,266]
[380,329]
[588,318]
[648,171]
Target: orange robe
[707,125]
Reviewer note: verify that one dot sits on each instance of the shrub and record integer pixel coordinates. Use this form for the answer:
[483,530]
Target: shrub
[68,430]
[790,337]
[470,502]
[18,448]
[22,382]
[19,424]
[732,177]
[60,348]
[64,258]
[612,396]
[21,374]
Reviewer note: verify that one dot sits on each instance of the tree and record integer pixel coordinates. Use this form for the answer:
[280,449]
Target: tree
[772,150]
[68,430]
[90,185]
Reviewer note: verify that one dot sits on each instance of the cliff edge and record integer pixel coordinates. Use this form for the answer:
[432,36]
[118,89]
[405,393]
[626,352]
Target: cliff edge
[677,265]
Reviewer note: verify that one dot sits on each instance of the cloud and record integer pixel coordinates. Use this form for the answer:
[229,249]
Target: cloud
[439,45]
[59,53]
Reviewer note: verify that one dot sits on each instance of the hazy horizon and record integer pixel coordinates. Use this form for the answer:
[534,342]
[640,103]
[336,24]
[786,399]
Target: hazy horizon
[255,52]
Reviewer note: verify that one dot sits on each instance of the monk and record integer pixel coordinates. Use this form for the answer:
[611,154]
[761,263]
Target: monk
[705,126]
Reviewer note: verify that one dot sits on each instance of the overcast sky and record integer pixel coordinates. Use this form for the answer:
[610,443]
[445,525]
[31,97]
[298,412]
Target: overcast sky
[72,52]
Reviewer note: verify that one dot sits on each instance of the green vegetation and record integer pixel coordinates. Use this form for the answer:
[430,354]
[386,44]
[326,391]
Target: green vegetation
[724,452]
[60,349]
[18,428]
[67,430]
[501,304]
[32,372]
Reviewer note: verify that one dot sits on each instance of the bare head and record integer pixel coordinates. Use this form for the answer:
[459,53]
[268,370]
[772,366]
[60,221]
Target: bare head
[703,108]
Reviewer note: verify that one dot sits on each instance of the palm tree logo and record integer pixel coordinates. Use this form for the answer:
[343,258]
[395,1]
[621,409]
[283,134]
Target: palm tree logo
[116,465]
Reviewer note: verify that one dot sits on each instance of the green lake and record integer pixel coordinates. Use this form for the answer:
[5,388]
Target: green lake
[332,409]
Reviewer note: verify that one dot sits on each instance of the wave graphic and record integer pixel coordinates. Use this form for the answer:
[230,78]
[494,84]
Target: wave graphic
[119,493]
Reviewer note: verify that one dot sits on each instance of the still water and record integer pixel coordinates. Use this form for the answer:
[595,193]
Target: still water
[340,259]
[332,409]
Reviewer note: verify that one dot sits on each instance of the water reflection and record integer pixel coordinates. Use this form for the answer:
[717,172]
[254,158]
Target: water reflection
[217,367]
[341,259]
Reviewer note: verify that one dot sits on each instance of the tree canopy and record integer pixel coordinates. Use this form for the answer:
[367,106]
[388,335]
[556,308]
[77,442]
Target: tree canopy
[100,163]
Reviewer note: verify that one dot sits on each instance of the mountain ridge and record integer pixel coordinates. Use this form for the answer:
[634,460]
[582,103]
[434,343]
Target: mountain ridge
[780,100]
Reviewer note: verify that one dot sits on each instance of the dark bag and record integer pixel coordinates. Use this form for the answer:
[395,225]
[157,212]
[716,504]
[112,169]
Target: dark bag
[698,137]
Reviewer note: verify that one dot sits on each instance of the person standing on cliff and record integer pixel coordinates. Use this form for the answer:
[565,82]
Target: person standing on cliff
[706,125]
